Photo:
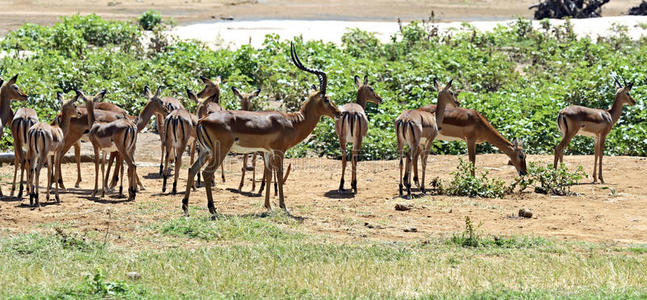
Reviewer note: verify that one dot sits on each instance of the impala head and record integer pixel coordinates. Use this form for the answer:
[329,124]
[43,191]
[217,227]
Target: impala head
[518,158]
[622,92]
[154,101]
[245,98]
[211,89]
[88,100]
[11,91]
[318,98]
[365,91]
[68,108]
[446,98]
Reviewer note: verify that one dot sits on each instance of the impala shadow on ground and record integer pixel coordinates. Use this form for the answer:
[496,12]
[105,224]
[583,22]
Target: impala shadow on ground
[335,194]
[246,194]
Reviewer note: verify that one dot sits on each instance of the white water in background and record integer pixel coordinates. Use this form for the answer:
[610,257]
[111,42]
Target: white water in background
[233,34]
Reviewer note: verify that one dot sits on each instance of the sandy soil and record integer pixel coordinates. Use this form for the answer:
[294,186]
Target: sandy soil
[16,12]
[614,212]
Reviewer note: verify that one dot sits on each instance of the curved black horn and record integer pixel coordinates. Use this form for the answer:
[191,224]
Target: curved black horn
[323,79]
[616,80]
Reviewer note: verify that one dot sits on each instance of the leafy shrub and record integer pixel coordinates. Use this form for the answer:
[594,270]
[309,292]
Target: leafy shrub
[466,184]
[150,19]
[470,237]
[547,180]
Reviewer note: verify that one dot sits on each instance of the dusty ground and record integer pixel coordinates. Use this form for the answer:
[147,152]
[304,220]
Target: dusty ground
[614,212]
[16,12]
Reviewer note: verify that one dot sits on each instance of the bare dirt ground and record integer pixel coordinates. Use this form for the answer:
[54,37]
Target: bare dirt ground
[14,13]
[613,212]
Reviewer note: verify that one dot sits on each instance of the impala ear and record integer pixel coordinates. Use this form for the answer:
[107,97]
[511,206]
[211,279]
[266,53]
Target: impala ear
[449,84]
[629,86]
[365,79]
[158,92]
[437,85]
[236,92]
[192,96]
[255,93]
[314,87]
[78,95]
[357,81]
[147,91]
[515,143]
[59,97]
[218,80]
[13,80]
[99,96]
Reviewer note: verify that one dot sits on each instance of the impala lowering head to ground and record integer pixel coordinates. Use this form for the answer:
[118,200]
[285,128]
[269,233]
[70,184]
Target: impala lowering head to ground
[418,129]
[352,126]
[270,132]
[45,142]
[593,122]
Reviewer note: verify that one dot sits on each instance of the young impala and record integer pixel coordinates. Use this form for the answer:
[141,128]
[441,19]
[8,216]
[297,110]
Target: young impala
[271,132]
[593,122]
[44,142]
[20,123]
[418,129]
[352,127]
[246,104]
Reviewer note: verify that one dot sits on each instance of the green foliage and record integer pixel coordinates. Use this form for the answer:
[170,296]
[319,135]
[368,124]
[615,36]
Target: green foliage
[466,184]
[470,237]
[98,285]
[517,76]
[547,180]
[150,19]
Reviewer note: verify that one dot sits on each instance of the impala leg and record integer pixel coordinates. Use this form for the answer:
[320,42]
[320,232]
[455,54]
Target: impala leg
[278,158]
[357,145]
[178,163]
[559,149]
[596,154]
[36,186]
[96,170]
[222,171]
[268,178]
[254,171]
[242,176]
[118,161]
[161,132]
[423,162]
[415,169]
[342,146]
[193,146]
[49,176]
[77,159]
[413,151]
[165,170]
[601,147]
[103,174]
[401,151]
[208,174]
[263,180]
[471,151]
[121,180]
[56,159]
[17,158]
[195,169]
[23,167]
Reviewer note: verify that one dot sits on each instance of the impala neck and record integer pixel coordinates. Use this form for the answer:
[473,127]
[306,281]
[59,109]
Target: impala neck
[362,99]
[6,114]
[616,110]
[90,107]
[304,121]
[496,139]
[146,114]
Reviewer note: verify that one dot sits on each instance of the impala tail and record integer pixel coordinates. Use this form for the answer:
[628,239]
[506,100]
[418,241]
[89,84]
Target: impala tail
[562,124]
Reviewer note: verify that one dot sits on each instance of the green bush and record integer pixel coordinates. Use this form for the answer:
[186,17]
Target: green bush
[150,19]
[547,180]
[516,76]
[466,184]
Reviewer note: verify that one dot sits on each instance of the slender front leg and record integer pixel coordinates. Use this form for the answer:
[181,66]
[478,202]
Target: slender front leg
[121,181]
[596,153]
[56,181]
[77,159]
[96,171]
[242,176]
[193,146]
[254,172]
[49,176]
[103,174]
[195,168]
[602,140]
[471,151]
[278,158]
[160,131]
[268,178]
[17,158]
[424,157]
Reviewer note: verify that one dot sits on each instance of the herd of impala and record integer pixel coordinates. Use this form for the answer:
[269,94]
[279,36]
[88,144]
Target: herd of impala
[215,132]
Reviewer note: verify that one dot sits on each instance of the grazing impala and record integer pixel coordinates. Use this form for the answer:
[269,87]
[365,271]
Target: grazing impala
[467,124]
[352,127]
[418,129]
[593,122]
[44,142]
[271,132]
[10,91]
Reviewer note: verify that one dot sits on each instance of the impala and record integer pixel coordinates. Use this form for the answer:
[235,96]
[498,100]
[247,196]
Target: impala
[271,132]
[352,127]
[171,104]
[10,91]
[593,122]
[246,104]
[24,119]
[418,129]
[467,124]
[45,142]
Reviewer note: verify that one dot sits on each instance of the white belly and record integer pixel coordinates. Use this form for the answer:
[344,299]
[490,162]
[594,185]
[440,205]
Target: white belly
[586,133]
[110,149]
[448,138]
[236,148]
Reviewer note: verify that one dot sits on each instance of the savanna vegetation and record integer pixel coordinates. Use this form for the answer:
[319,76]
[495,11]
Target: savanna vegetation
[517,76]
